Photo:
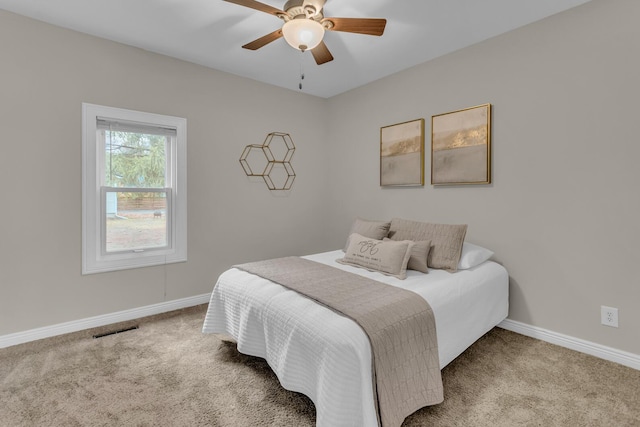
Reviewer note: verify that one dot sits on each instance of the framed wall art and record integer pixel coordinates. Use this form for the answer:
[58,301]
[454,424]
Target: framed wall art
[402,154]
[461,146]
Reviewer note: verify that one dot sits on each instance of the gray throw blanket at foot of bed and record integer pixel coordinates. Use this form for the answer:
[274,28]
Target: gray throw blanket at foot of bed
[399,323]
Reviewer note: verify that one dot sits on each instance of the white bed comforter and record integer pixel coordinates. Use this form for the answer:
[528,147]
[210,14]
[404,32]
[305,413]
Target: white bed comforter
[326,356]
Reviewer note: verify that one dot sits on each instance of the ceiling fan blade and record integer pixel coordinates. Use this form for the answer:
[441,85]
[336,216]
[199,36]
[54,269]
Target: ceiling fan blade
[321,54]
[258,6]
[370,26]
[264,40]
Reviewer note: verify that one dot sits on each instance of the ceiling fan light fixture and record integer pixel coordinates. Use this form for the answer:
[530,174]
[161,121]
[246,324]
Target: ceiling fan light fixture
[302,33]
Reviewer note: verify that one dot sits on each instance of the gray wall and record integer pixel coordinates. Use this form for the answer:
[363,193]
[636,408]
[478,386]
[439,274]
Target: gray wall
[562,212]
[560,215]
[47,72]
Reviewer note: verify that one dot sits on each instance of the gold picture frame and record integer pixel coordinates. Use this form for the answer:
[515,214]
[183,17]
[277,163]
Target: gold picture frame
[402,154]
[461,146]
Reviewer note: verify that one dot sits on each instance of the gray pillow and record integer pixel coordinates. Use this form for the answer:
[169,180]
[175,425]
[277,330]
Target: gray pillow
[387,257]
[369,228]
[446,240]
[419,256]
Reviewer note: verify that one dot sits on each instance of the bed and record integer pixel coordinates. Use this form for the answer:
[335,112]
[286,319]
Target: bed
[326,356]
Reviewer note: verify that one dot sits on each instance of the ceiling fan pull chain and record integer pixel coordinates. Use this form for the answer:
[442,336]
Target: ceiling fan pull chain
[301,73]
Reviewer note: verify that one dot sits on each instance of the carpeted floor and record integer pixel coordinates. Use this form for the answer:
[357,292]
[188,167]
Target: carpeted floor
[167,373]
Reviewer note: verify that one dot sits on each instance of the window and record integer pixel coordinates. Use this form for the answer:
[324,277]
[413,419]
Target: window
[133,188]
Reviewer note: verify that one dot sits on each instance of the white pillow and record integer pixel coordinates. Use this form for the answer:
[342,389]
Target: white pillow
[473,255]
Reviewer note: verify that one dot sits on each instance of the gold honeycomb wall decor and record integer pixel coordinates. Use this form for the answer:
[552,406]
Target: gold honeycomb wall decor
[271,161]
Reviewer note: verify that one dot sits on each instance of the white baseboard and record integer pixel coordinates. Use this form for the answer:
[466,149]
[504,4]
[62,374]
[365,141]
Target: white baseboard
[607,353]
[106,319]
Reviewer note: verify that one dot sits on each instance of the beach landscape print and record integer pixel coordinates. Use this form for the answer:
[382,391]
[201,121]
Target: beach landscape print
[402,154]
[461,146]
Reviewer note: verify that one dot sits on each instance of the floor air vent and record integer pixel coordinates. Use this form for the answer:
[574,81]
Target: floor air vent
[116,332]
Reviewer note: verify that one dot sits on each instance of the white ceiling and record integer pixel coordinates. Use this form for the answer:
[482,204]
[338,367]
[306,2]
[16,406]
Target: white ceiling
[211,33]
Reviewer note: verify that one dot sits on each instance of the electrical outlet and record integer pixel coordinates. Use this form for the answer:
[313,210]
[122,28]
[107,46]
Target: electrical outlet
[609,316]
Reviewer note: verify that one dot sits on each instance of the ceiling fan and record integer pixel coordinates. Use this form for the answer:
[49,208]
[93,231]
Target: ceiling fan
[305,24]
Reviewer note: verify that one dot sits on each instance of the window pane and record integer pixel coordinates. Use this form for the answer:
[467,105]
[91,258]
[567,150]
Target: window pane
[134,159]
[135,220]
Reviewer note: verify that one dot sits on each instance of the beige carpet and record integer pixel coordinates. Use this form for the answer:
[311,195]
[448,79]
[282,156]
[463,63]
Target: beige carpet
[167,373]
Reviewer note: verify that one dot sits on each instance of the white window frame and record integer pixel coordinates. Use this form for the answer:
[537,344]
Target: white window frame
[94,258]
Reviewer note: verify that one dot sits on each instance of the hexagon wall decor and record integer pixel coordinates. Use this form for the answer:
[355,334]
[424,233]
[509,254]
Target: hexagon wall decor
[271,161]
